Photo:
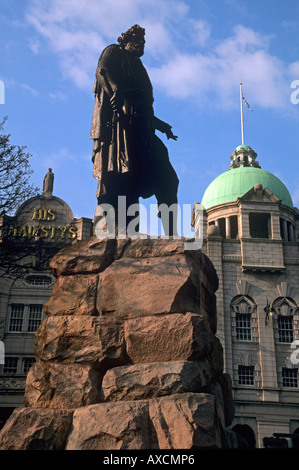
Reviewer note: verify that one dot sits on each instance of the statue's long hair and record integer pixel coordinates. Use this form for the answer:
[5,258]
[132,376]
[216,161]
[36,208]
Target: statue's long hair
[134,32]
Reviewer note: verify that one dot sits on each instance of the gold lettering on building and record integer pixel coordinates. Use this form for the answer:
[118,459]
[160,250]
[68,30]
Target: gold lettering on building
[13,231]
[22,231]
[73,231]
[63,230]
[43,231]
[44,214]
[32,230]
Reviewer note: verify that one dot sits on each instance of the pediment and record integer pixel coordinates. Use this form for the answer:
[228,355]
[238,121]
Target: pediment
[259,195]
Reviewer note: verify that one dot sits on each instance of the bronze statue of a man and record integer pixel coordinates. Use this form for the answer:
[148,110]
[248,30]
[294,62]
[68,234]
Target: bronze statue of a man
[129,159]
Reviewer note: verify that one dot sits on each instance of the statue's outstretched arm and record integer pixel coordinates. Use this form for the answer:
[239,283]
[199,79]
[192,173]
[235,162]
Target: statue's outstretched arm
[165,128]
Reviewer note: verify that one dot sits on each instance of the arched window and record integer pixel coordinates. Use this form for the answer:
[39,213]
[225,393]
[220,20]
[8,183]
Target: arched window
[243,313]
[245,436]
[285,316]
[296,439]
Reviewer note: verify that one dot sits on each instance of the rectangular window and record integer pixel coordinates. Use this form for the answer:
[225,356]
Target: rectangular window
[290,377]
[221,225]
[11,365]
[16,317]
[259,225]
[285,329]
[234,226]
[243,326]
[35,317]
[36,280]
[246,375]
[27,363]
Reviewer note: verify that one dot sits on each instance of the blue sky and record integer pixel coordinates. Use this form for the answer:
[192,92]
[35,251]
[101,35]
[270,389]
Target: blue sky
[197,53]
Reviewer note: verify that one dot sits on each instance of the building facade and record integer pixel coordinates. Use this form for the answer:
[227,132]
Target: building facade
[251,231]
[41,226]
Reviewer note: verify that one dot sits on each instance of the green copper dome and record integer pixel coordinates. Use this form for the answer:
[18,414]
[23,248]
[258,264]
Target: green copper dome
[237,181]
[245,147]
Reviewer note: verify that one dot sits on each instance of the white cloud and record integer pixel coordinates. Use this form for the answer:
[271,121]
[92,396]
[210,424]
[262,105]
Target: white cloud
[78,34]
[31,90]
[201,30]
[34,46]
[58,95]
[294,70]
[214,77]
[158,39]
[59,158]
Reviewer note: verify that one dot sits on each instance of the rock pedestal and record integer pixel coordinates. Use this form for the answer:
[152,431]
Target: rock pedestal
[127,356]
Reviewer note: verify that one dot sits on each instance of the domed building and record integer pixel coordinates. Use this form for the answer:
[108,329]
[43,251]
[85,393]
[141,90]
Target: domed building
[231,185]
[251,233]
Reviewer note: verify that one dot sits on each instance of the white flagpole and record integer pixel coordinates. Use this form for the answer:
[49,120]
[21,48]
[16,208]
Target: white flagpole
[242,119]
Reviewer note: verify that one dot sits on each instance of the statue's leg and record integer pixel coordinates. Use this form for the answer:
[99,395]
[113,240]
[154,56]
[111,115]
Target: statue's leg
[120,194]
[168,211]
[131,204]
[105,217]
[166,188]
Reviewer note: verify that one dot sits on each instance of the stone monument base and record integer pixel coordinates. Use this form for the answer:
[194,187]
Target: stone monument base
[127,356]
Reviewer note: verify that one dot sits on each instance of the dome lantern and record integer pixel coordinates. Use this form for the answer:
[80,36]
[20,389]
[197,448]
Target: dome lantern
[243,155]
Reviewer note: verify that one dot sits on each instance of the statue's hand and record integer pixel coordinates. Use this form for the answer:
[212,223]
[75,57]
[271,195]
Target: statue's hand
[169,133]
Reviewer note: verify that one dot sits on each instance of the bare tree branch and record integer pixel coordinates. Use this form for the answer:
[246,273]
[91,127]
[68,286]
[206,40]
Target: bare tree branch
[15,172]
[18,255]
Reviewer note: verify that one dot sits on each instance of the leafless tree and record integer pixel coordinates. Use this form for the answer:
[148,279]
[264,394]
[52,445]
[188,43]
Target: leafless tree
[15,172]
[18,255]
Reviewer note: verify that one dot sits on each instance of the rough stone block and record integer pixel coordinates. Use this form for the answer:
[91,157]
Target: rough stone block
[217,355]
[36,429]
[97,341]
[162,338]
[110,426]
[139,287]
[151,247]
[73,295]
[137,278]
[216,390]
[184,421]
[84,257]
[141,381]
[61,386]
[228,402]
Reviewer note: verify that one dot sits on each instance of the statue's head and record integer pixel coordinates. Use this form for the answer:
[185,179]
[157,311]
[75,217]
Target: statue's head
[133,40]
